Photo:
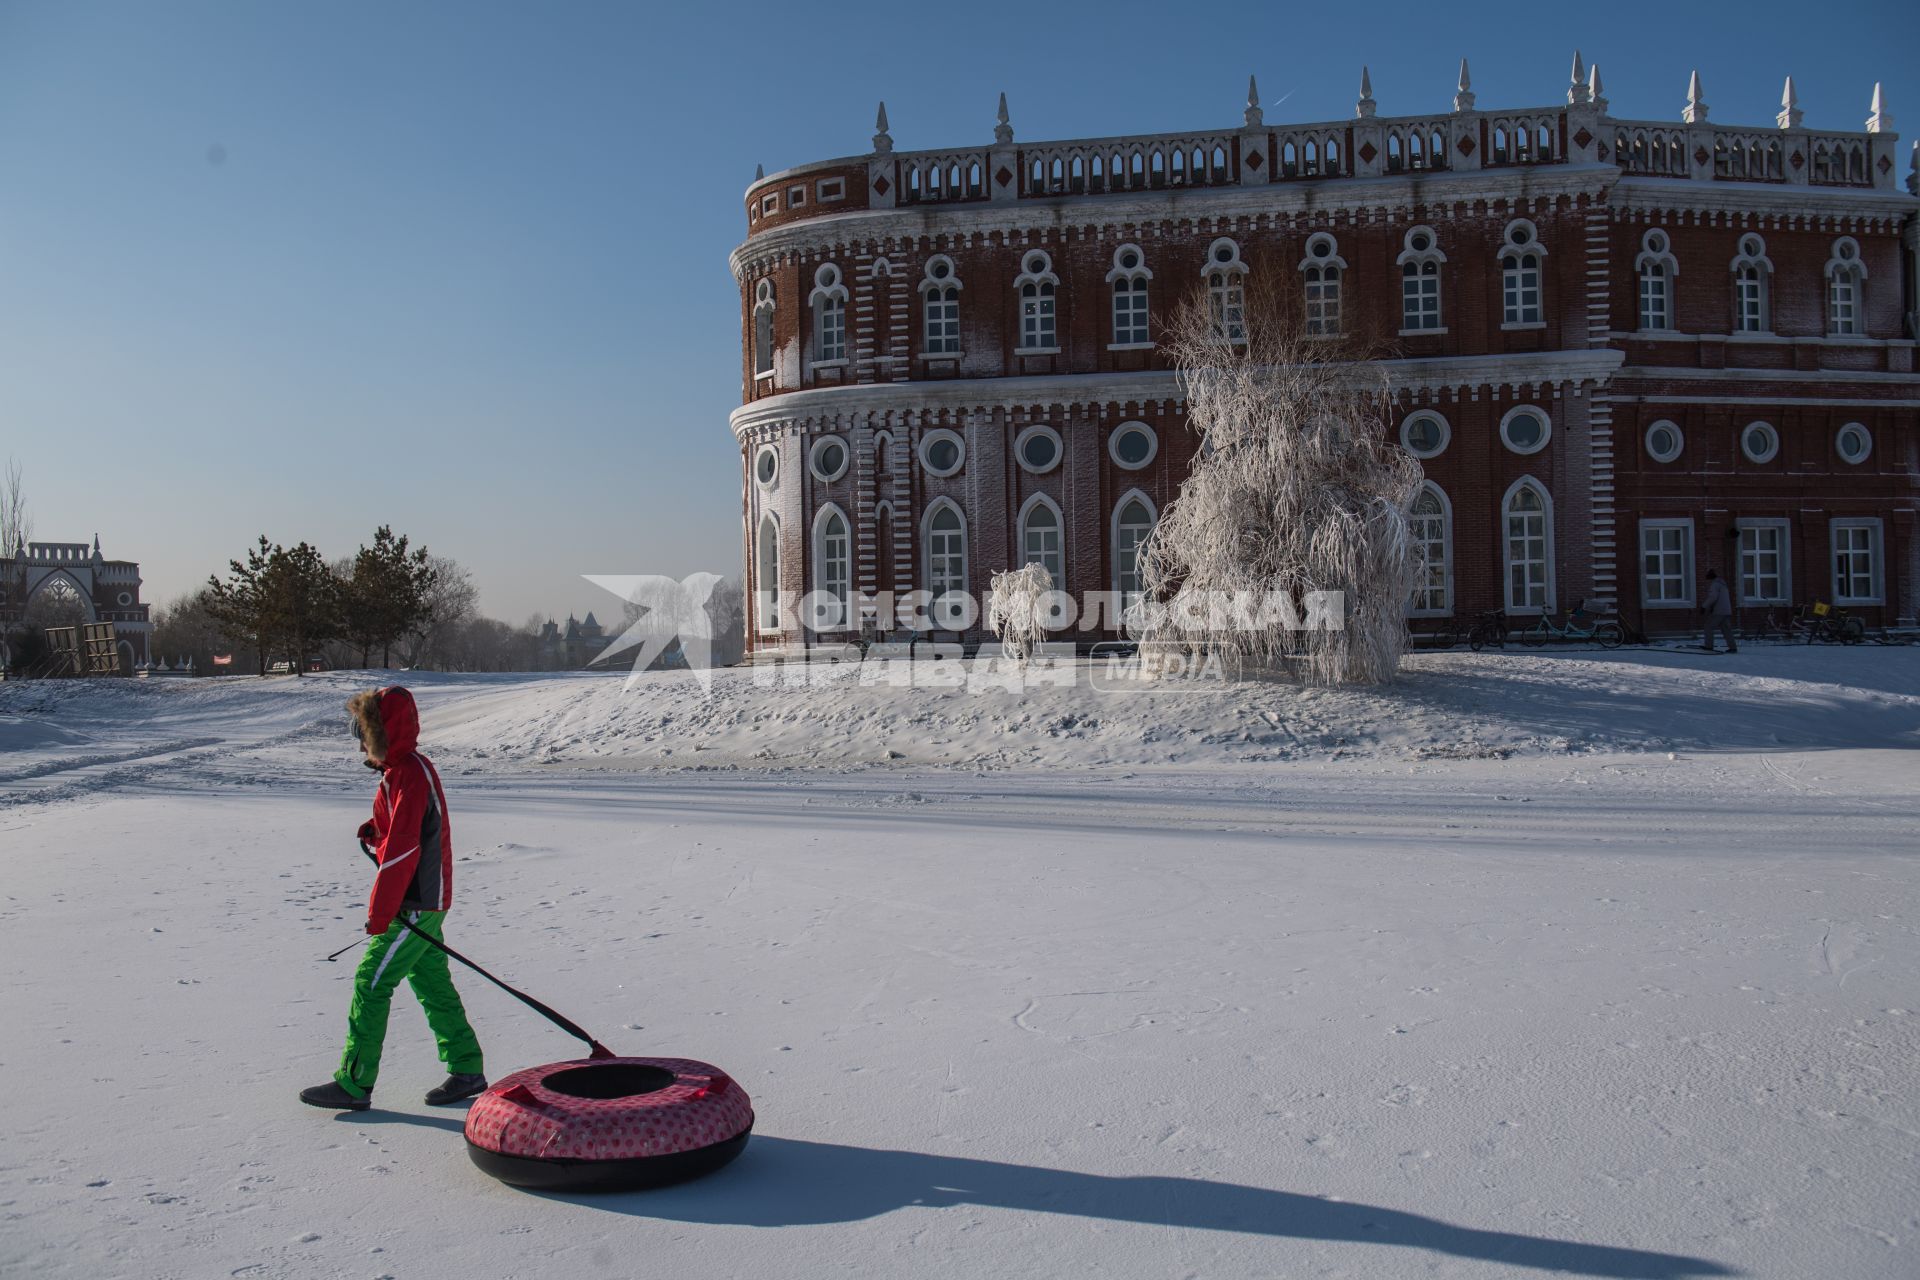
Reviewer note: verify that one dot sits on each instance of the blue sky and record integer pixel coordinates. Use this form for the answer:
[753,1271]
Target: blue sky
[303,269]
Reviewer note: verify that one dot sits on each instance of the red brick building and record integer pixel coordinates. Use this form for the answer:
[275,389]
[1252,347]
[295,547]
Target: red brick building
[1625,352]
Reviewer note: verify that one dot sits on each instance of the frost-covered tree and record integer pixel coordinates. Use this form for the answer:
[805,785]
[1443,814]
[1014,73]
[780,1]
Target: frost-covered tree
[1295,488]
[1017,609]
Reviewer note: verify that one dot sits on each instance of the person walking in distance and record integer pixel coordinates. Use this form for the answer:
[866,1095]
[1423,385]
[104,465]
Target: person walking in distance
[1719,608]
[411,841]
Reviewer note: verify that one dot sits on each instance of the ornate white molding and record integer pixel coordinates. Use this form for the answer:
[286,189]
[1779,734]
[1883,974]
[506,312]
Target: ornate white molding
[949,396]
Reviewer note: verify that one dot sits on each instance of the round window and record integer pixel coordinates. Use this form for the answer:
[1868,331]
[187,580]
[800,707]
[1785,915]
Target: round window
[126,599]
[1656,241]
[766,465]
[1750,245]
[1133,445]
[1844,250]
[1036,263]
[941,452]
[1129,259]
[1420,243]
[1664,441]
[1854,442]
[1520,234]
[1424,435]
[830,458]
[940,269]
[1038,449]
[1223,253]
[1759,442]
[1321,248]
[1525,430]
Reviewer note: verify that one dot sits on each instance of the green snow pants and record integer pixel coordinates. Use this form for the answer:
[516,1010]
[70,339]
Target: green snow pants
[394,955]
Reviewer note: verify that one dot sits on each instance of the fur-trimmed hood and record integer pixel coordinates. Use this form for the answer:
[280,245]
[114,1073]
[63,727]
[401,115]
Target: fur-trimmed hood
[387,721]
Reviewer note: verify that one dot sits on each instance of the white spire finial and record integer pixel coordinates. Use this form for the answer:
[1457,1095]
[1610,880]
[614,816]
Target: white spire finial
[1253,116]
[1463,92]
[882,140]
[1594,90]
[1913,179]
[1790,113]
[1577,85]
[1881,121]
[759,172]
[1003,129]
[1363,109]
[1696,112]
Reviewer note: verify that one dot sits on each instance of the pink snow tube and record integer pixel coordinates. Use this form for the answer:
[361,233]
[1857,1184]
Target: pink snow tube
[609,1124]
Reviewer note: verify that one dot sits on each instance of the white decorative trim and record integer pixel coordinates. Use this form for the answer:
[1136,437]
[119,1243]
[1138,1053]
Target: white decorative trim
[770,481]
[1552,577]
[813,458]
[1679,437]
[1767,454]
[1113,445]
[941,433]
[1841,434]
[1546,435]
[1446,433]
[1020,444]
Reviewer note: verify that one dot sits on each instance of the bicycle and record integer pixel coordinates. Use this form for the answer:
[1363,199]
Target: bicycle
[1490,628]
[1578,626]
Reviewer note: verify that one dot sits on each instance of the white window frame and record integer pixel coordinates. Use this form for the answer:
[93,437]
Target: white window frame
[1113,446]
[1406,433]
[926,442]
[766,612]
[828,189]
[1876,559]
[829,303]
[1040,308]
[1131,329]
[763,310]
[835,583]
[940,329]
[1121,595]
[1523,269]
[1020,446]
[1846,290]
[1323,282]
[940,584]
[1226,282]
[1058,569]
[1507,561]
[1506,421]
[1656,264]
[1772,450]
[813,458]
[1445,540]
[1679,436]
[771,451]
[1420,288]
[1683,576]
[1784,568]
[1752,286]
[1865,434]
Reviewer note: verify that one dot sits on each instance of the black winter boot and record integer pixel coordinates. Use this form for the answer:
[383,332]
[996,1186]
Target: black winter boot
[458,1088]
[331,1096]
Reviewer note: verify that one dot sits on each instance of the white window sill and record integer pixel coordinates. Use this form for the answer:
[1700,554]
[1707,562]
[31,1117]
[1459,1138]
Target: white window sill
[1422,333]
[1851,340]
[1429,613]
[1669,604]
[926,357]
[1131,346]
[1311,337]
[841,363]
[1776,603]
[767,376]
[1036,351]
[1513,325]
[1859,602]
[1758,335]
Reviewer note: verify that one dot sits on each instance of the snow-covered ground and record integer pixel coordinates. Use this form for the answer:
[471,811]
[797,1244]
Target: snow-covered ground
[1583,964]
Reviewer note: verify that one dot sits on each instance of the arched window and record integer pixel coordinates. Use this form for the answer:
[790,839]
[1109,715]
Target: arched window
[763,329]
[1520,260]
[946,545]
[940,307]
[1845,277]
[766,575]
[1129,279]
[1528,517]
[832,569]
[1036,284]
[829,303]
[1226,278]
[1320,272]
[1752,269]
[883,562]
[1430,522]
[1657,267]
[1420,281]
[1133,520]
[1040,539]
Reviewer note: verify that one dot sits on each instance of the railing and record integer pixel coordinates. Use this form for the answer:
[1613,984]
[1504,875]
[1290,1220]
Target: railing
[1149,163]
[1840,161]
[1416,145]
[1658,151]
[927,177]
[1315,151]
[1523,139]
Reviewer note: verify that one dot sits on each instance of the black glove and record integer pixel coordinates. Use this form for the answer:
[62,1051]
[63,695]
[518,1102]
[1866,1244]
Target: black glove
[368,835]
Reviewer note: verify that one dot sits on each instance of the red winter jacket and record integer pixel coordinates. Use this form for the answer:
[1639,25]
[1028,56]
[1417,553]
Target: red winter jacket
[414,839]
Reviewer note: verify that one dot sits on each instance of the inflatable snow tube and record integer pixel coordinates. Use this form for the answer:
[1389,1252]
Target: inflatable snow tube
[609,1124]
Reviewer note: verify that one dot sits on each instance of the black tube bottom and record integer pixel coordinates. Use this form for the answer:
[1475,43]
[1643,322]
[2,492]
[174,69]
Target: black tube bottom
[637,1173]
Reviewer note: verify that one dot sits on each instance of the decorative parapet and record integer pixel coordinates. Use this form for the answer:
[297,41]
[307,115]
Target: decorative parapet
[1371,145]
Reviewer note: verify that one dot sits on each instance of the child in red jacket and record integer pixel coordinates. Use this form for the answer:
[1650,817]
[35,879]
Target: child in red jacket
[413,845]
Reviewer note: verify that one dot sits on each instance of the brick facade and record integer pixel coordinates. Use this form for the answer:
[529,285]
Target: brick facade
[1589,188]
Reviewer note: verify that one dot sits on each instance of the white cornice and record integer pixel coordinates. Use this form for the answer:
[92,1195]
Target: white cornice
[1547,368]
[1400,190]
[1762,199]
